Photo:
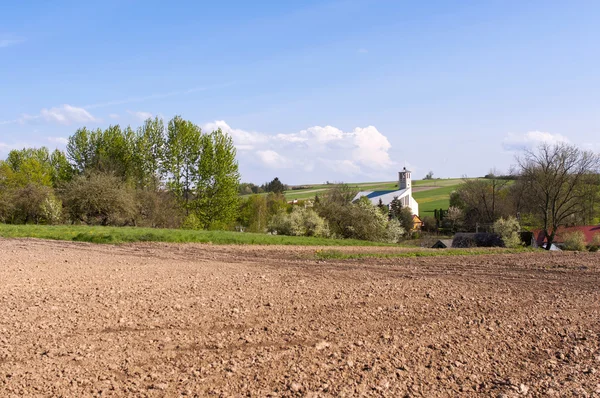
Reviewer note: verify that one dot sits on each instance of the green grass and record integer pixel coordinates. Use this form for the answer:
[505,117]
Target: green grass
[338,255]
[435,198]
[117,235]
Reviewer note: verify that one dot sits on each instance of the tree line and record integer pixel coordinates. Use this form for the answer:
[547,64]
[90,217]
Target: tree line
[551,186]
[160,176]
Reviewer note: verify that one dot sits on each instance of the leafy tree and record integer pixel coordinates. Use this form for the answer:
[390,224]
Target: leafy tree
[429,176]
[182,155]
[402,214]
[62,171]
[554,174]
[149,154]
[218,180]
[254,213]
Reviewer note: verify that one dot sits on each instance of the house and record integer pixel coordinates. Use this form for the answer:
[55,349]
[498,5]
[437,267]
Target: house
[588,230]
[404,194]
[417,222]
[442,244]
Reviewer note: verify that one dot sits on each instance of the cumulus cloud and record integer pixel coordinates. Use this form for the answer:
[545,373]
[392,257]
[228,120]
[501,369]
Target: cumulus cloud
[272,159]
[67,114]
[58,140]
[531,139]
[363,150]
[140,115]
[244,140]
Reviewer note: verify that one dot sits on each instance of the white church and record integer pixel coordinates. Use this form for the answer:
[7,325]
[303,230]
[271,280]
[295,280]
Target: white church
[404,194]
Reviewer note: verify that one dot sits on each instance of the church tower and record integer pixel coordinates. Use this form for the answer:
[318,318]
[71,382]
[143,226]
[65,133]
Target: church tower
[404,181]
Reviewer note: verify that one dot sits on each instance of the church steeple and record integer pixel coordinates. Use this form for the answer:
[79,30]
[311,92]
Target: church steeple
[404,180]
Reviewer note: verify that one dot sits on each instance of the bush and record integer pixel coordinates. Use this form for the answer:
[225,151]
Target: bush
[34,203]
[481,239]
[157,210]
[429,224]
[464,241]
[574,241]
[99,199]
[300,222]
[394,231]
[509,230]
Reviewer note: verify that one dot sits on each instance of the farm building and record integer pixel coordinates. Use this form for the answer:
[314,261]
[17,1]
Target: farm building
[404,194]
[588,230]
[442,244]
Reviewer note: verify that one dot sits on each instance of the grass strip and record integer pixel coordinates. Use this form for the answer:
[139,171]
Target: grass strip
[119,235]
[329,254]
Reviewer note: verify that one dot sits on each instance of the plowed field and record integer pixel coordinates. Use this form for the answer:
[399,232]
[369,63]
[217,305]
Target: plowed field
[200,320]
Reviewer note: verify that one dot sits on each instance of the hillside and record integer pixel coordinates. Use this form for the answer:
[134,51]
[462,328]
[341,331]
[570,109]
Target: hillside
[431,194]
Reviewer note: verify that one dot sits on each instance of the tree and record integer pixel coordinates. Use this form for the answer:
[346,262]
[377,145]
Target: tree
[216,203]
[402,214]
[429,176]
[554,174]
[455,217]
[149,154]
[182,155]
[275,186]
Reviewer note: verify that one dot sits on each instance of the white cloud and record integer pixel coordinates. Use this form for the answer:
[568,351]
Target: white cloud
[58,140]
[113,116]
[362,151]
[371,148]
[272,159]
[141,115]
[244,140]
[66,114]
[531,139]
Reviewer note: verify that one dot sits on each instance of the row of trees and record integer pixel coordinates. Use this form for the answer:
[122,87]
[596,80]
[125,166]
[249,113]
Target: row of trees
[552,186]
[155,175]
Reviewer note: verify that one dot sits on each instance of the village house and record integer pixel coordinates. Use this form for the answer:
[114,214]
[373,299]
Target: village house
[404,194]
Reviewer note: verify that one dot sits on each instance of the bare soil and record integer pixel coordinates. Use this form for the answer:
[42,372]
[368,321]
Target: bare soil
[162,320]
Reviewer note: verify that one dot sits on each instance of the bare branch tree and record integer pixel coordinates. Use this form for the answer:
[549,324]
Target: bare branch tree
[554,175]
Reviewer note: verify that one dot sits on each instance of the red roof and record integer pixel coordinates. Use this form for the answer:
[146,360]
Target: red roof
[589,231]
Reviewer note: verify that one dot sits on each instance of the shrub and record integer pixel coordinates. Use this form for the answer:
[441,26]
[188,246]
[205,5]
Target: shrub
[481,239]
[191,221]
[36,204]
[99,198]
[464,241]
[300,222]
[508,229]
[394,231]
[574,241]
[429,224]
[157,210]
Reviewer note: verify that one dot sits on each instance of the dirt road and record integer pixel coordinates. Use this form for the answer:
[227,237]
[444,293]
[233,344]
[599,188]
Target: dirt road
[197,320]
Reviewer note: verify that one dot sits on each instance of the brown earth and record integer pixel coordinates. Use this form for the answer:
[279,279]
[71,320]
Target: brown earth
[198,320]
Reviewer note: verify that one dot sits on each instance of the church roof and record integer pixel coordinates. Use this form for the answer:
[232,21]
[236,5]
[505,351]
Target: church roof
[385,196]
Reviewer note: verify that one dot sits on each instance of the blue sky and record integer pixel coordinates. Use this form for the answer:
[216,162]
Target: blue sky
[312,91]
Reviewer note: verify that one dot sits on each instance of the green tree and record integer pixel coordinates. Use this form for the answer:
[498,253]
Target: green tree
[218,179]
[182,155]
[149,154]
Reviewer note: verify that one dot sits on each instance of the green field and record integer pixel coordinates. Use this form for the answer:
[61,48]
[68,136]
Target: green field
[115,235]
[436,195]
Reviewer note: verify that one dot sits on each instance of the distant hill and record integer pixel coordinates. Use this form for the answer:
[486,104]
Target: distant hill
[431,194]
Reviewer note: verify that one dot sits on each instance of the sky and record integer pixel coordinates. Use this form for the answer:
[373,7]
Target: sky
[312,91]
